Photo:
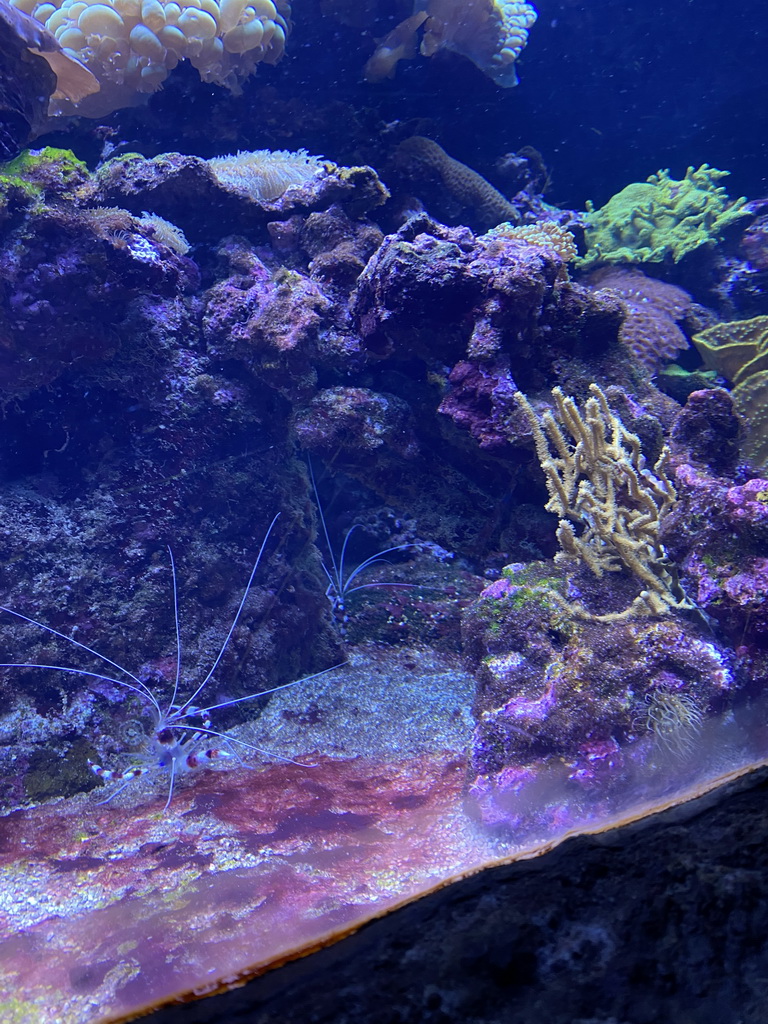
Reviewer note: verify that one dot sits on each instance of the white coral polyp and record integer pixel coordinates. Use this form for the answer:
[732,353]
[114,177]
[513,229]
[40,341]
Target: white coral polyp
[131,45]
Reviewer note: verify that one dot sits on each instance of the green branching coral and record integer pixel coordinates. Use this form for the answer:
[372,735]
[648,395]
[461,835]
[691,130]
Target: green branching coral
[648,221]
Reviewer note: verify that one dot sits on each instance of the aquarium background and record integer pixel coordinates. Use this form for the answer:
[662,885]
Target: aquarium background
[611,91]
[399,516]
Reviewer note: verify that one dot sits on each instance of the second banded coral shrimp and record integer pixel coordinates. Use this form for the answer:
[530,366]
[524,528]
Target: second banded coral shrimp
[181,737]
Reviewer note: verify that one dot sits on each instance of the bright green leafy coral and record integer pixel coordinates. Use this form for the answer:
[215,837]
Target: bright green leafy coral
[648,221]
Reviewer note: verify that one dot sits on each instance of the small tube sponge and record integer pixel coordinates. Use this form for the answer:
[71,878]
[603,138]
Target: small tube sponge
[490,33]
[132,45]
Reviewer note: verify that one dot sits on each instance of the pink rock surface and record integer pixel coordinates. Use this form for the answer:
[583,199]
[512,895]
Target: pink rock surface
[108,910]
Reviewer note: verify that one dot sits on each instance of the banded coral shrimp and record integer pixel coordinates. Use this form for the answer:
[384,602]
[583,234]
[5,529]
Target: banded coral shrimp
[181,730]
[340,583]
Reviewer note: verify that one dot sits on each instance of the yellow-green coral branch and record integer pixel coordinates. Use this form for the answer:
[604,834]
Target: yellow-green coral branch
[598,479]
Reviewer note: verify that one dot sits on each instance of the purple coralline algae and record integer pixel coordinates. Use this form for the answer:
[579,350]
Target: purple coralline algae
[589,704]
[740,272]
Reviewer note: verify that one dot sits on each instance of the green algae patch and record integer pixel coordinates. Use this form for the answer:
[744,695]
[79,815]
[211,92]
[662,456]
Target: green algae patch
[53,774]
[661,217]
[36,175]
[527,590]
[17,1011]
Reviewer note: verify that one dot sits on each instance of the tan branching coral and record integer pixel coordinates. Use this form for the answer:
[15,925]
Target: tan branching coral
[266,174]
[131,45]
[490,33]
[419,156]
[597,478]
[739,351]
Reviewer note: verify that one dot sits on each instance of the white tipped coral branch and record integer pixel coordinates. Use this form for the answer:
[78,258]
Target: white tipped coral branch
[597,478]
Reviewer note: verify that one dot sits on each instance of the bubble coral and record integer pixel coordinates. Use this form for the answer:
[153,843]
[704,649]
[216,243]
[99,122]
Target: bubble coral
[490,33]
[132,45]
[648,221]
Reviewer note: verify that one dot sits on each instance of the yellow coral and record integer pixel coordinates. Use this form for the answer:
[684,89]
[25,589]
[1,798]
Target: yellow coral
[598,480]
[648,221]
[132,45]
[739,351]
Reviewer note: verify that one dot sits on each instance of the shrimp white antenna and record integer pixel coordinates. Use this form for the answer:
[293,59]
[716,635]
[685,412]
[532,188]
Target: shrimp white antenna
[178,630]
[236,619]
[170,788]
[263,693]
[142,686]
[336,580]
[143,692]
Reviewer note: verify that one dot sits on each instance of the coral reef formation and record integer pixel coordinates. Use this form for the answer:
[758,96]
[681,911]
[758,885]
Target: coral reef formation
[717,531]
[424,161]
[654,310]
[54,253]
[490,33]
[179,334]
[739,351]
[131,47]
[662,217]
[741,270]
[590,702]
[578,702]
[185,191]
